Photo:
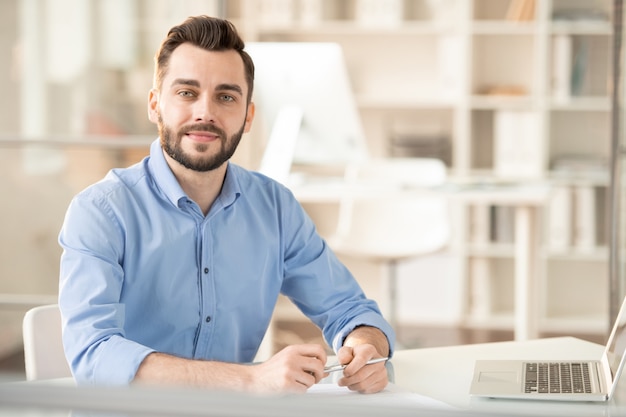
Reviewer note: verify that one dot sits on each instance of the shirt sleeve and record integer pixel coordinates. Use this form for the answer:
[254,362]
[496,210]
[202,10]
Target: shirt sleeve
[90,285]
[321,286]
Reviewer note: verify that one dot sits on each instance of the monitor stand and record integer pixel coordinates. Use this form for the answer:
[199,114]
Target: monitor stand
[281,146]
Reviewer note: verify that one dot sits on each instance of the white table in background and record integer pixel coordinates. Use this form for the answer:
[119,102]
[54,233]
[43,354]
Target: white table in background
[526,200]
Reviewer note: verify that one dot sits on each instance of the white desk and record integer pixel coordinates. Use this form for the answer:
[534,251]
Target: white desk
[445,374]
[526,200]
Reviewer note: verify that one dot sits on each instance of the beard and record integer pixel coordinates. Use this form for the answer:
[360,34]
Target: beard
[171,143]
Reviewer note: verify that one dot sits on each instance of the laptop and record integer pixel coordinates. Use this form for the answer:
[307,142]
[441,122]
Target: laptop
[555,380]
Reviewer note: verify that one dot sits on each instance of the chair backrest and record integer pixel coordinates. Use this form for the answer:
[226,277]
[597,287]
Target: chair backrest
[399,217]
[397,227]
[43,345]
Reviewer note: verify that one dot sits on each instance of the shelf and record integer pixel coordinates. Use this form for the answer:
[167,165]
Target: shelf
[595,324]
[496,27]
[349,28]
[495,102]
[597,254]
[582,104]
[581,28]
[594,179]
[504,251]
[495,321]
[491,250]
[374,102]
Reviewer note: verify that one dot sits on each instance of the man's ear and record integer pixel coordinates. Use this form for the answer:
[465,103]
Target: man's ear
[153,103]
[249,116]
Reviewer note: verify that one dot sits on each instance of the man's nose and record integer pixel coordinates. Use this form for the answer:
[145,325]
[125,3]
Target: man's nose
[204,111]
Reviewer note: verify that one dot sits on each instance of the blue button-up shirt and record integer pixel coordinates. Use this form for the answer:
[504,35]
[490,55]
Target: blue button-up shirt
[144,270]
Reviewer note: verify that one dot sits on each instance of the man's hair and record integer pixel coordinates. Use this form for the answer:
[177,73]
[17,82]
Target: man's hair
[209,33]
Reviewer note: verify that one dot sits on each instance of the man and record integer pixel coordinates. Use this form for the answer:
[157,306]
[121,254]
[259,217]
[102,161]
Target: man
[171,268]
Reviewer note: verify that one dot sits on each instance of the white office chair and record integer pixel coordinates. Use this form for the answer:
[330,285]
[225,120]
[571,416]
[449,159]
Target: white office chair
[43,346]
[397,219]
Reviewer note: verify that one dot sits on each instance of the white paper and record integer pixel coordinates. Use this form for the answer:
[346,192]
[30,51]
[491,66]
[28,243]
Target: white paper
[392,395]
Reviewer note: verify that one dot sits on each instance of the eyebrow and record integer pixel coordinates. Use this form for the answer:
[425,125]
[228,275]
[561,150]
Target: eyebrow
[230,87]
[221,87]
[185,81]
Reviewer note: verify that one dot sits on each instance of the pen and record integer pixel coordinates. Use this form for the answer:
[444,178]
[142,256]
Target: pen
[339,367]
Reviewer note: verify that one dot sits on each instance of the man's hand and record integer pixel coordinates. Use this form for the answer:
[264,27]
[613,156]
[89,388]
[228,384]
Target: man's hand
[358,376]
[363,344]
[294,369]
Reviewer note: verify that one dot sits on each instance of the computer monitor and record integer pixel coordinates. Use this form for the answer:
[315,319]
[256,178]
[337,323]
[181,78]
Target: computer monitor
[302,91]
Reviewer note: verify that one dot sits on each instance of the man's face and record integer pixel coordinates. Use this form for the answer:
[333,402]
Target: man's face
[201,109]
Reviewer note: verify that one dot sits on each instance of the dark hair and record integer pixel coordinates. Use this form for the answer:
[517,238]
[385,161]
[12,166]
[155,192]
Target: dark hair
[210,33]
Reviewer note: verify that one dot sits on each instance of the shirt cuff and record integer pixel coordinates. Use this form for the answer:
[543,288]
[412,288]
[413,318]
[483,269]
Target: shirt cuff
[119,361]
[371,320]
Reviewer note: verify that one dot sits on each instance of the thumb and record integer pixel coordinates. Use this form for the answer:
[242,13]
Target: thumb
[345,355]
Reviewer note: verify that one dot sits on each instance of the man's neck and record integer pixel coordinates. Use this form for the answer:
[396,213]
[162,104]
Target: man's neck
[201,187]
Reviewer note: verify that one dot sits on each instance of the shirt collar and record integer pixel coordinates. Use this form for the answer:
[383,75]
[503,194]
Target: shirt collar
[231,189]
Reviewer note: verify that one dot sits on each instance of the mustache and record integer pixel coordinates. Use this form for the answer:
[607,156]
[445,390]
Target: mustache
[202,127]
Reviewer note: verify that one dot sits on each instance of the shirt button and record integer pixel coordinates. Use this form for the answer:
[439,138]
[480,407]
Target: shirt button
[206,270]
[208,319]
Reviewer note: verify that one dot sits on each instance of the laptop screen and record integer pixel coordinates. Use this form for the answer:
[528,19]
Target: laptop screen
[616,346]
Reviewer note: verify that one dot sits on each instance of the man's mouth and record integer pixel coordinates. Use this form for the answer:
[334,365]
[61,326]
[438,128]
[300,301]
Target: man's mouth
[202,136]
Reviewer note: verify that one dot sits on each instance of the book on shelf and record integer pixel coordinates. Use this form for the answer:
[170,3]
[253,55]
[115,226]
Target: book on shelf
[570,58]
[502,224]
[421,146]
[479,266]
[562,53]
[518,146]
[521,10]
[579,65]
[560,223]
[480,224]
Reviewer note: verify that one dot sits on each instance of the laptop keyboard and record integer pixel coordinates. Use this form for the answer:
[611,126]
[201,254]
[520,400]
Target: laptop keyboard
[557,378]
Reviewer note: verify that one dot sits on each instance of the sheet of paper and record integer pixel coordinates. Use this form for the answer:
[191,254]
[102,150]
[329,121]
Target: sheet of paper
[392,395]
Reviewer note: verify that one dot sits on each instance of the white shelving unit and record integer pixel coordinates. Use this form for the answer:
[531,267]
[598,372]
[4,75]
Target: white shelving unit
[454,79]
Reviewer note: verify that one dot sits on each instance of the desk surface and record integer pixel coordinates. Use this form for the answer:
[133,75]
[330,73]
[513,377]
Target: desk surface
[443,374]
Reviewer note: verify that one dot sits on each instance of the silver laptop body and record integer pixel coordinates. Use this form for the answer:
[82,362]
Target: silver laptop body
[555,380]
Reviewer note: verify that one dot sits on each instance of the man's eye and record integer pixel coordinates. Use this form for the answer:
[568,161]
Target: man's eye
[227,97]
[185,93]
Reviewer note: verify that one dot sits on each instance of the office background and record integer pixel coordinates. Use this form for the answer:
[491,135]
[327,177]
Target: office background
[501,90]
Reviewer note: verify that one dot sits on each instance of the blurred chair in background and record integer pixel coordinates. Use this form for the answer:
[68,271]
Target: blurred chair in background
[390,215]
[43,345]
